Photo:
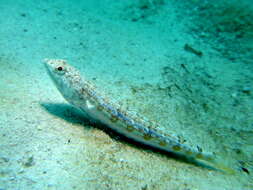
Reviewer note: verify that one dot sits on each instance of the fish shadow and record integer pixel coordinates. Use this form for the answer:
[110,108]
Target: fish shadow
[75,116]
[67,113]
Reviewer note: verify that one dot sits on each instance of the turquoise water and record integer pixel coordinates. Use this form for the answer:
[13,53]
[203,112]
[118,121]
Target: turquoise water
[185,65]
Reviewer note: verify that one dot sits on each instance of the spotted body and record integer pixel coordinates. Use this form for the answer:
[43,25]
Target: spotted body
[82,94]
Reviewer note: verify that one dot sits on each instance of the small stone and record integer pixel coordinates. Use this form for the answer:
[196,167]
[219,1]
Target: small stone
[29,162]
[245,170]
[122,160]
[23,14]
[21,171]
[145,187]
[5,159]
[234,95]
[39,127]
[246,90]
[12,178]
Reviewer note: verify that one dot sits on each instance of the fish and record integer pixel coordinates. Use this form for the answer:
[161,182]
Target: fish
[84,95]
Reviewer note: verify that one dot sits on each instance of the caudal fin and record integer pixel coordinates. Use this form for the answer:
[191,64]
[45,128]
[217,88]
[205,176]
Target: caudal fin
[217,164]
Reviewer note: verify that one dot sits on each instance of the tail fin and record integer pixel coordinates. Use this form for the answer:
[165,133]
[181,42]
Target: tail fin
[216,163]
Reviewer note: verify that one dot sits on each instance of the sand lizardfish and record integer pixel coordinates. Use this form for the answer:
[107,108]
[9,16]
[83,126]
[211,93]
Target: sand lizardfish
[83,94]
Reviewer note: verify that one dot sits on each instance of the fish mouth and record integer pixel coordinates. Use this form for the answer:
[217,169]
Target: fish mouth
[47,65]
[46,62]
[50,64]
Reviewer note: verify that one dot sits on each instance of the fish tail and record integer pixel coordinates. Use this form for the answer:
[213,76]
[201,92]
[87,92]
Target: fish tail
[216,163]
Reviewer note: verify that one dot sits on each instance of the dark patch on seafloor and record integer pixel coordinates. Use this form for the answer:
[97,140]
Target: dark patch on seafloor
[227,26]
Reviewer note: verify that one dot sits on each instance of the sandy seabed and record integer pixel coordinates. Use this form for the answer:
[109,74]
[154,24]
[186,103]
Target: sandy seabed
[174,63]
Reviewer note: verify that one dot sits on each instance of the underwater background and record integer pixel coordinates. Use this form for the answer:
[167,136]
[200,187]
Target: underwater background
[185,64]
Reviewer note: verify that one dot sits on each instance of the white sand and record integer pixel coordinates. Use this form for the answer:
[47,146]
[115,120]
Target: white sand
[137,57]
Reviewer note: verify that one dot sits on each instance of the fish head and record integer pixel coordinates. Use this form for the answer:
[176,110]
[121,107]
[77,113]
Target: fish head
[65,77]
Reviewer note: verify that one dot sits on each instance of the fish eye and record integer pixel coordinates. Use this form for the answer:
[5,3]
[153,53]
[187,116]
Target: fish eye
[59,68]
